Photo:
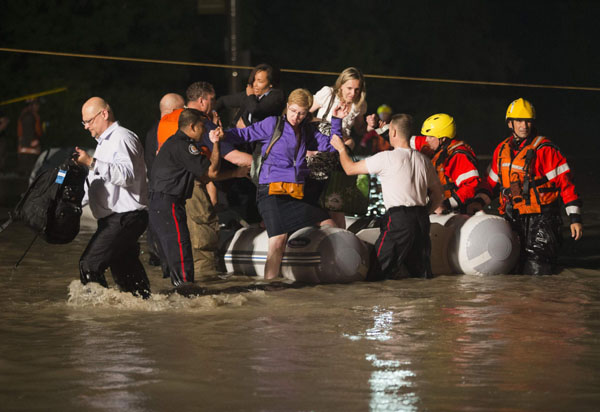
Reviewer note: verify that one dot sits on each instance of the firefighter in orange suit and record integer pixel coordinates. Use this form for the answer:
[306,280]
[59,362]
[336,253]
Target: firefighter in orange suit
[455,163]
[531,176]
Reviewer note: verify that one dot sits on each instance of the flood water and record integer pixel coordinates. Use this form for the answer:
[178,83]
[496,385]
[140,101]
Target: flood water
[452,343]
[458,342]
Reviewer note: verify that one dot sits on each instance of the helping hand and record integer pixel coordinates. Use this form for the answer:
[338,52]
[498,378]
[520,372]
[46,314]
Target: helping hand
[341,110]
[372,122]
[337,143]
[216,135]
[216,119]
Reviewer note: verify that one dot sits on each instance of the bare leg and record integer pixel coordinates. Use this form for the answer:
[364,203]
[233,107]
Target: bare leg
[328,222]
[274,255]
[339,218]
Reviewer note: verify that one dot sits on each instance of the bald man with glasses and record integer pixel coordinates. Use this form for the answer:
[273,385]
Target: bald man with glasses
[117,194]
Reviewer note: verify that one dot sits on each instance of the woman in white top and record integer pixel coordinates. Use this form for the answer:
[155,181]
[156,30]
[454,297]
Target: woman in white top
[349,90]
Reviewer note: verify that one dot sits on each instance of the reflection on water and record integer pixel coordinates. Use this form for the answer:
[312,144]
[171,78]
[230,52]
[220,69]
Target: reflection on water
[388,383]
[451,343]
[112,364]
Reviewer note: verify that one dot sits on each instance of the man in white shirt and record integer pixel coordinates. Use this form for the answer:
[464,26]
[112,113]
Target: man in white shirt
[117,194]
[411,189]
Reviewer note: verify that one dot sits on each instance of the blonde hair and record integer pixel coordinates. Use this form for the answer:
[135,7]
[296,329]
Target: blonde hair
[351,73]
[301,97]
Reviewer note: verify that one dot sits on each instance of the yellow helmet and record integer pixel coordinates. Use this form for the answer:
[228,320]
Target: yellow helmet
[384,108]
[520,109]
[439,125]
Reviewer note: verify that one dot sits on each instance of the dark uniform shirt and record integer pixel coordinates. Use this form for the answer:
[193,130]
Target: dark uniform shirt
[178,163]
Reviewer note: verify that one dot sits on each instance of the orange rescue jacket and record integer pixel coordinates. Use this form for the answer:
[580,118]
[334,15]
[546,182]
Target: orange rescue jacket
[441,159]
[525,190]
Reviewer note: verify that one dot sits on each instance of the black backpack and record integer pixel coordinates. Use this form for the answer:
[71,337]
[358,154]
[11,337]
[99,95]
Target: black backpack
[257,158]
[51,206]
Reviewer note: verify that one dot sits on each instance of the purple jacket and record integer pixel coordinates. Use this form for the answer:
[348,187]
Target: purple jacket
[281,166]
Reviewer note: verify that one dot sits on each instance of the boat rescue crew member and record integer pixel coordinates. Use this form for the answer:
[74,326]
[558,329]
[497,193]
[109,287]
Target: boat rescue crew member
[180,161]
[117,193]
[411,189]
[530,173]
[280,193]
[455,163]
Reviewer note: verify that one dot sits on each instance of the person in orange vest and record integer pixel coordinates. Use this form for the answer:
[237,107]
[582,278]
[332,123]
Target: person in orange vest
[531,176]
[377,137]
[168,103]
[29,132]
[455,163]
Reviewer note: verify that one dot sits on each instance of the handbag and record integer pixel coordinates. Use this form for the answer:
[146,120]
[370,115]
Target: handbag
[324,125]
[348,194]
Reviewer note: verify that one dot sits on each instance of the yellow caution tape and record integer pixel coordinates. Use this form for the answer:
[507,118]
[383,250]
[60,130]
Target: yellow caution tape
[33,95]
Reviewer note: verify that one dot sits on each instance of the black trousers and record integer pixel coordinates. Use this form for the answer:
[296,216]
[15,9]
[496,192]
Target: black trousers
[115,246]
[541,239]
[168,222]
[404,240]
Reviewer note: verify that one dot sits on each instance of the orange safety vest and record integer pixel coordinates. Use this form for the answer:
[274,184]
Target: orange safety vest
[167,127]
[442,157]
[523,190]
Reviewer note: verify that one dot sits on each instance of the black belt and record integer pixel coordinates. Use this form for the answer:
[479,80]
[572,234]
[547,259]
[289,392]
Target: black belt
[166,196]
[396,208]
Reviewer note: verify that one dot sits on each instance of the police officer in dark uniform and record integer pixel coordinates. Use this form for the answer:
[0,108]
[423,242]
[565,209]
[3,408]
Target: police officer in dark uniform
[179,162]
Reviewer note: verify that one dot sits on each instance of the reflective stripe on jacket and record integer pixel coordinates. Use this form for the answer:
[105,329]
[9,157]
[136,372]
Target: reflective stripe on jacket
[456,166]
[521,184]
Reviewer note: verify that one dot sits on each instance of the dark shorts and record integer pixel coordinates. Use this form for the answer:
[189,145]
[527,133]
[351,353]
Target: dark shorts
[285,214]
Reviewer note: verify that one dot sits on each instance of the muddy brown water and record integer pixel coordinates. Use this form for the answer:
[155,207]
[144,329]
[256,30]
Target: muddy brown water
[452,343]
[455,342]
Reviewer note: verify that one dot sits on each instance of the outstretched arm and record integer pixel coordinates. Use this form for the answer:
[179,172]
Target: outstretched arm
[350,166]
[215,137]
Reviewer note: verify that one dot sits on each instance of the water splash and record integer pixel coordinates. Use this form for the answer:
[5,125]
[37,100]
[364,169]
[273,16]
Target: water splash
[93,295]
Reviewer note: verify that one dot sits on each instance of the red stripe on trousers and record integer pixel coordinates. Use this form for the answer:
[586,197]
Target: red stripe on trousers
[384,233]
[179,242]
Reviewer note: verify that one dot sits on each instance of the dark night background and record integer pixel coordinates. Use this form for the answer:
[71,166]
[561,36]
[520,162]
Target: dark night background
[538,42]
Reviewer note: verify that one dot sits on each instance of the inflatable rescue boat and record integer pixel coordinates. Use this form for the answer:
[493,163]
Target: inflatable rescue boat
[480,244]
[312,255]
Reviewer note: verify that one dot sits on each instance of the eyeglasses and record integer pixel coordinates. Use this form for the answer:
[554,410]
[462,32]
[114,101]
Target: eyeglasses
[87,122]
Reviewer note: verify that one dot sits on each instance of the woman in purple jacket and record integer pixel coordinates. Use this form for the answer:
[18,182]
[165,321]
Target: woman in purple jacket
[280,194]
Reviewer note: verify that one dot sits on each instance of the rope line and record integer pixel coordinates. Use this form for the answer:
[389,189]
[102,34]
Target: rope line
[229,66]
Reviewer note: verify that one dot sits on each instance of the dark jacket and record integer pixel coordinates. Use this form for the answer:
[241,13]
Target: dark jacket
[179,161]
[251,109]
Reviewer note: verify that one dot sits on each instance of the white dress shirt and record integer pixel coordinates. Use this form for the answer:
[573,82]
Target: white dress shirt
[407,178]
[117,183]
